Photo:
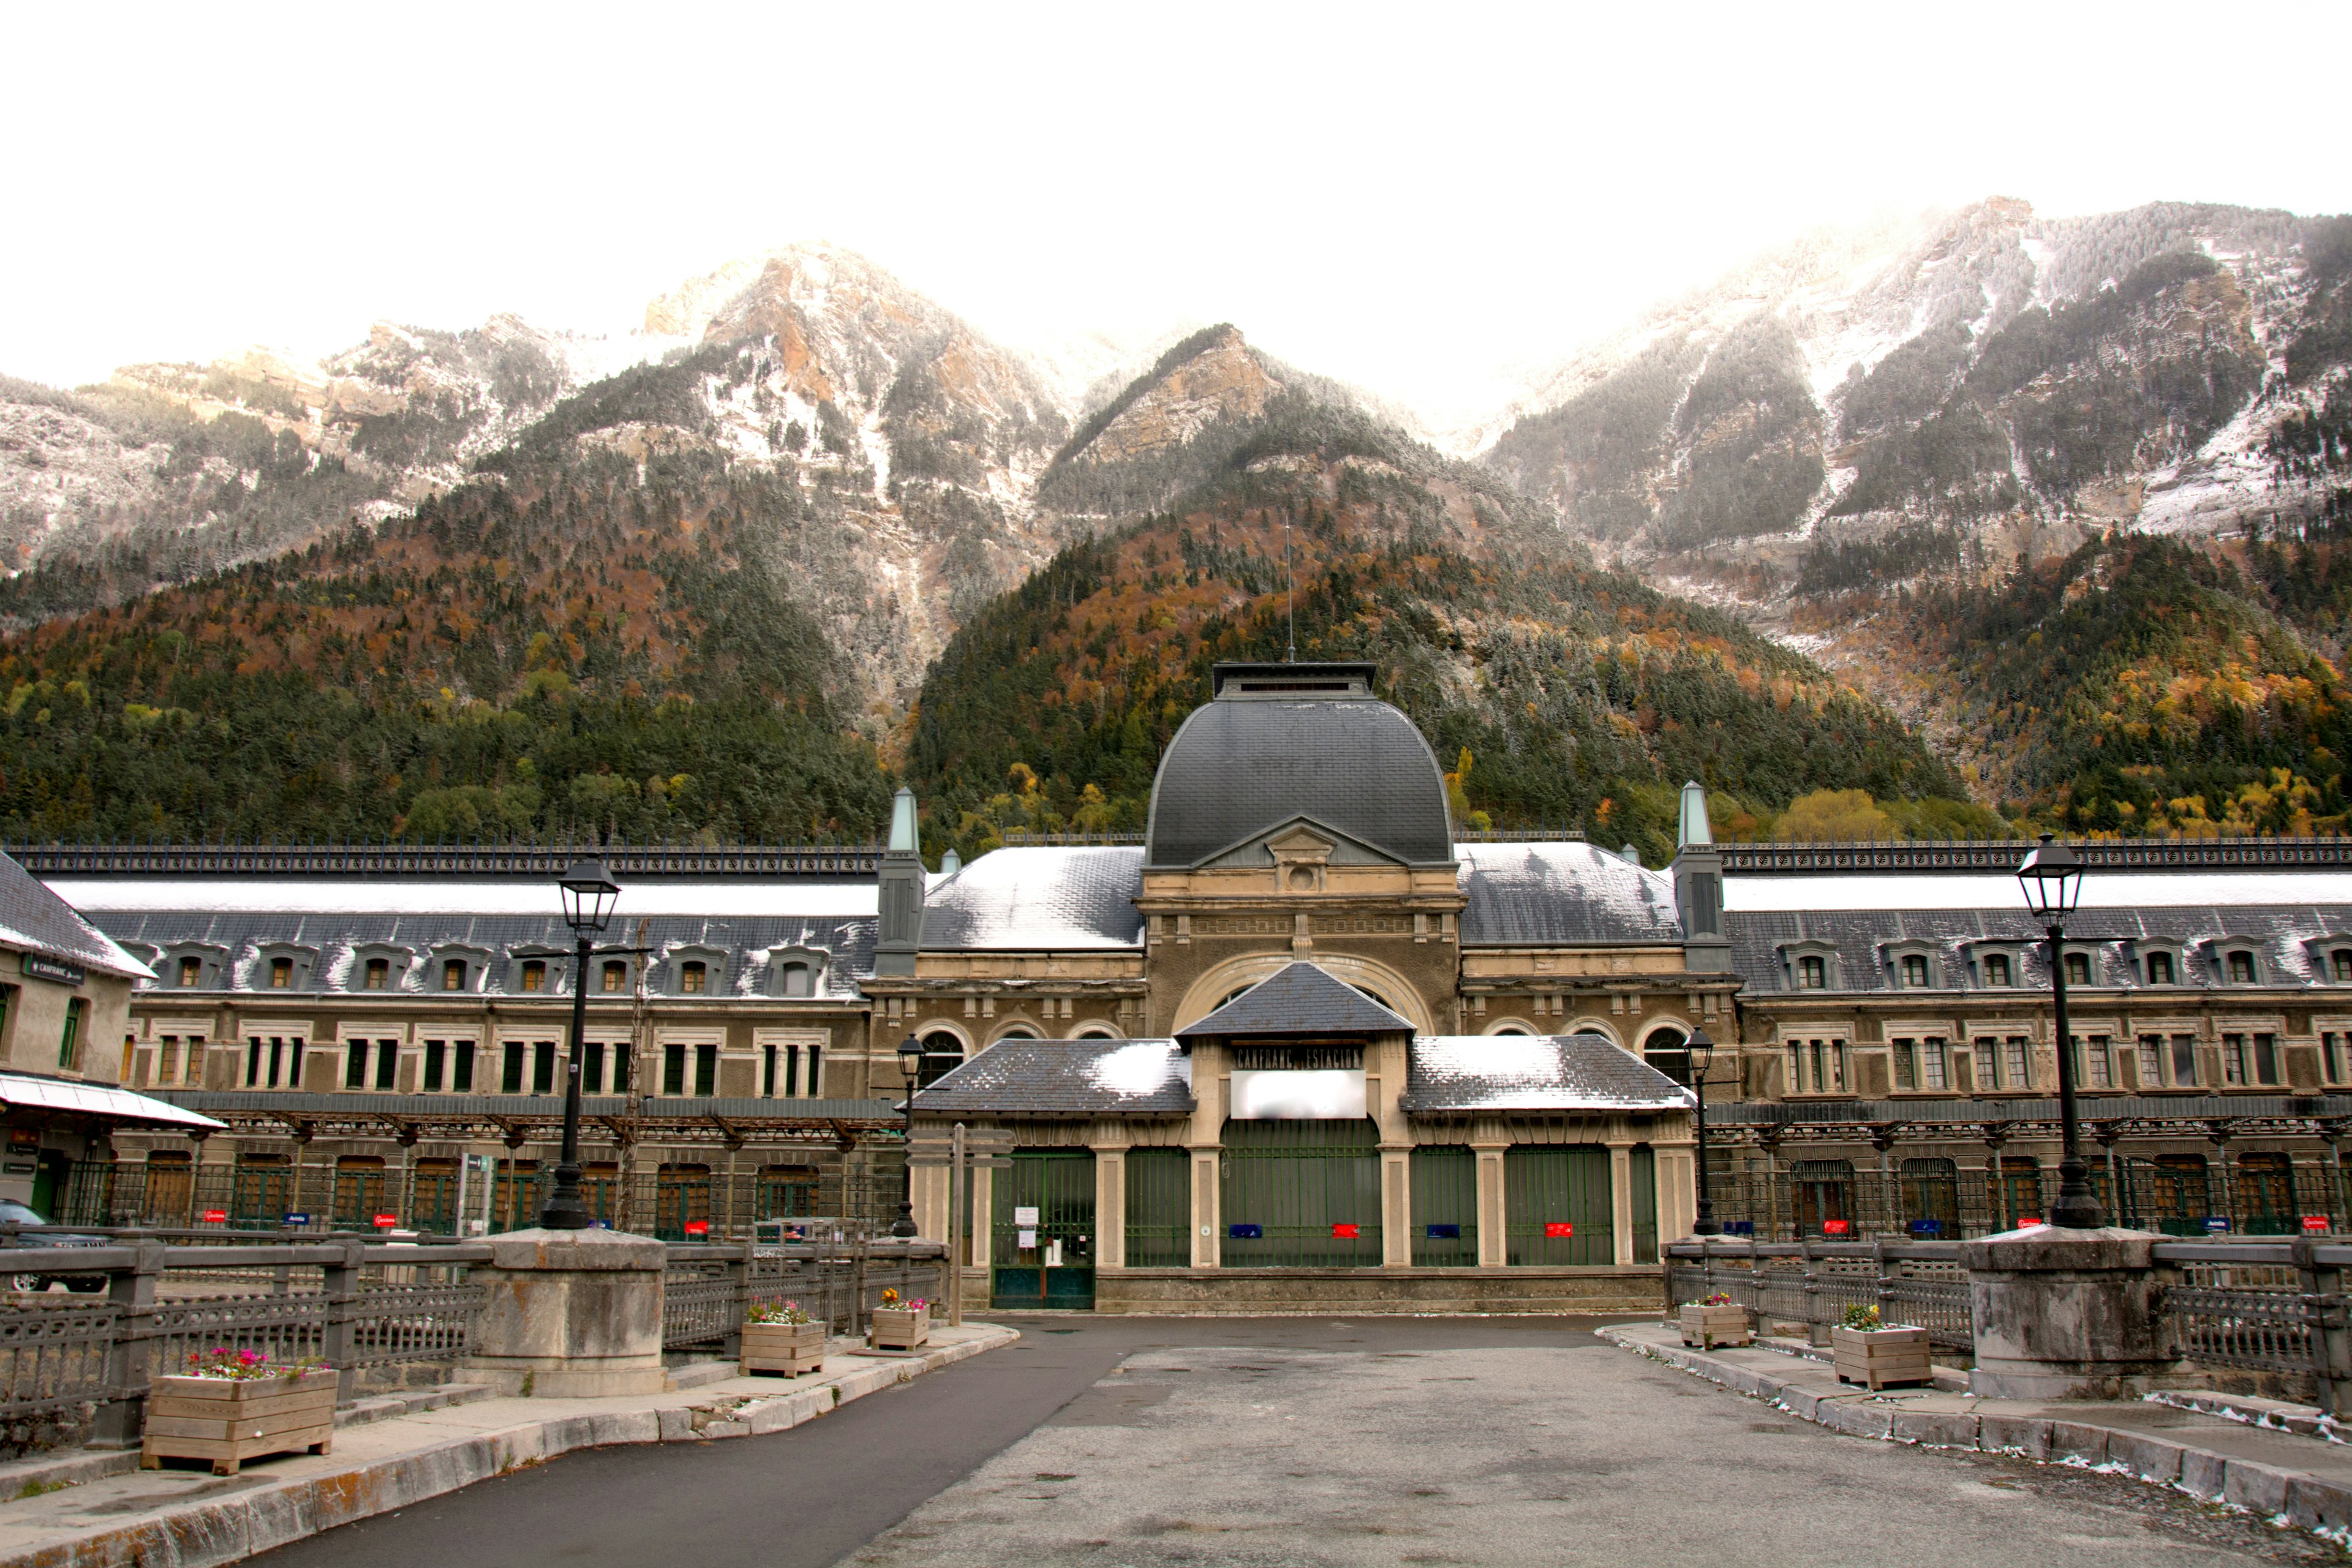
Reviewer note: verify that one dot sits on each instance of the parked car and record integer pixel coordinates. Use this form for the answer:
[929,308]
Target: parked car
[14,1213]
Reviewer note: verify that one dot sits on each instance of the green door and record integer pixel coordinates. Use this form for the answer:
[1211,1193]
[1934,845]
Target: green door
[1444,1207]
[1158,1209]
[1042,1239]
[1302,1194]
[1556,1198]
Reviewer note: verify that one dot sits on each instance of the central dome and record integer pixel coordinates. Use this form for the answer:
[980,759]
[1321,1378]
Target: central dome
[1285,741]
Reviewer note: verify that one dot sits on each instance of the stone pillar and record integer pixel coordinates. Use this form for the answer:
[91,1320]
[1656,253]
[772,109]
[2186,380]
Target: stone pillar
[1208,1226]
[1110,1204]
[1677,1184]
[2064,1314]
[1486,1146]
[1396,1207]
[1212,1090]
[1620,1196]
[572,1314]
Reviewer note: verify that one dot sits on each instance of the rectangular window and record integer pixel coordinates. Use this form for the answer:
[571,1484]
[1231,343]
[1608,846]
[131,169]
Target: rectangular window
[816,1072]
[192,971]
[387,1064]
[673,1069]
[1813,974]
[1915,973]
[2341,961]
[706,1071]
[2151,1061]
[2078,969]
[1996,969]
[510,1078]
[2331,1056]
[793,1072]
[1837,1067]
[768,1071]
[294,1054]
[2266,1059]
[70,1043]
[2160,969]
[2233,1060]
[1988,1063]
[2241,968]
[167,1058]
[1821,1068]
[592,1066]
[690,977]
[2184,1061]
[462,1080]
[453,974]
[355,1057]
[379,973]
[1906,1064]
[1796,1067]
[617,976]
[622,1057]
[281,973]
[534,976]
[1931,1063]
[2091,1062]
[542,1067]
[436,1065]
[253,1061]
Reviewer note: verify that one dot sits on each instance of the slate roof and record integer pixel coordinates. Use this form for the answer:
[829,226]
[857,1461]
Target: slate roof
[742,947]
[34,919]
[2280,934]
[1298,1000]
[1068,1078]
[1242,765]
[1040,897]
[1562,893]
[1533,1072]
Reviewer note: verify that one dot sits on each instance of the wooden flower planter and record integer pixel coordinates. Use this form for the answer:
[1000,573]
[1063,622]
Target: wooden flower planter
[899,1328]
[1708,1327]
[1878,1357]
[789,1348]
[231,1420]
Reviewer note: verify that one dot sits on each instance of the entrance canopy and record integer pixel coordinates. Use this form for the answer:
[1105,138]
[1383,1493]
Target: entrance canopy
[98,1099]
[1297,1000]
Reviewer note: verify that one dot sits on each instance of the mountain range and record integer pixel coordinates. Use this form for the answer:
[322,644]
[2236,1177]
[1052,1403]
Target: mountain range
[808,530]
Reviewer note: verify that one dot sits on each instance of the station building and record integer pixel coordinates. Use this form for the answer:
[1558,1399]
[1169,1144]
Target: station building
[1304,1047]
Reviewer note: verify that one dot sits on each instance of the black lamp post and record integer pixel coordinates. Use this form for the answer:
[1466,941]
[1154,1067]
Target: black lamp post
[2052,876]
[1700,1048]
[589,894]
[910,1068]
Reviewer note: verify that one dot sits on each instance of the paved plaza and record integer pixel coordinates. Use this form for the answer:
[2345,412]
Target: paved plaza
[1095,1442]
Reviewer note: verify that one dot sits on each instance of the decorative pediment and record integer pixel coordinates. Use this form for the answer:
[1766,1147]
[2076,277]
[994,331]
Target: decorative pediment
[1302,841]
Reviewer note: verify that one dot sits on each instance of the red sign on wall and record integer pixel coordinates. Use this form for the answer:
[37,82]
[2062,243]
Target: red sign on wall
[1837,1227]
[2023,1221]
[1554,1228]
[1348,1232]
[697,1228]
[215,1217]
[2314,1223]
[386,1221]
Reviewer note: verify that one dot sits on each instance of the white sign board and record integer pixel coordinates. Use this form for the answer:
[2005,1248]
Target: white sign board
[1296,1095]
[1025,1217]
[1028,1239]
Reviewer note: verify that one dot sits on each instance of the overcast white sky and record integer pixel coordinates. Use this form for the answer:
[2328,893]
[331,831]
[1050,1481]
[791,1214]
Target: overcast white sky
[1406,197]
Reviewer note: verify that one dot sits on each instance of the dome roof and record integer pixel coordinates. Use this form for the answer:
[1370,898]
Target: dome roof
[1262,753]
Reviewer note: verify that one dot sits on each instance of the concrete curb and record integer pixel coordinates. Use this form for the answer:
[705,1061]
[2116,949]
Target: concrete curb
[2286,1497]
[229,1529]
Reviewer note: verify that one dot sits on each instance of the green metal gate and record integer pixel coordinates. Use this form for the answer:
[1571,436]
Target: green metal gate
[1444,1207]
[1056,1268]
[1158,1209]
[1642,1175]
[1557,1200]
[1302,1194]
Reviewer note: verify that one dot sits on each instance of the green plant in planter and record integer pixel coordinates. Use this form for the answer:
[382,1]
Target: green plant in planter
[1863,1317]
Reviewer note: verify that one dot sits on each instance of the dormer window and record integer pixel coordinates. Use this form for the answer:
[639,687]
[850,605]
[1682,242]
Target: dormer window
[1997,970]
[453,974]
[534,974]
[377,976]
[2339,964]
[2078,969]
[192,972]
[1915,972]
[2160,970]
[797,980]
[281,973]
[617,976]
[2239,966]
[692,975]
[1813,974]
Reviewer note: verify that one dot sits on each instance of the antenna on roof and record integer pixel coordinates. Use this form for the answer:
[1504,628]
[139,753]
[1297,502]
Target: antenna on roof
[1289,594]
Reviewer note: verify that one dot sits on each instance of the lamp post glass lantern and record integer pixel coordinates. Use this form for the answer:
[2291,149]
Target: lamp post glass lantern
[589,895]
[910,1068]
[2052,876]
[1699,1051]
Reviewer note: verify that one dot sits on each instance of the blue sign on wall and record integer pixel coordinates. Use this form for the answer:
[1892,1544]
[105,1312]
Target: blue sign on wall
[1246,1231]
[2217,1222]
[1739,1227]
[1446,1232]
[1926,1227]
[298,1219]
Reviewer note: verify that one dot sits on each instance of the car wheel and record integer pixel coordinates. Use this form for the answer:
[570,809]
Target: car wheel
[27,1282]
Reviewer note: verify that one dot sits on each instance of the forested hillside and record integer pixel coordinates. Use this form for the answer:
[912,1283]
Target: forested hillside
[600,645]
[1557,693]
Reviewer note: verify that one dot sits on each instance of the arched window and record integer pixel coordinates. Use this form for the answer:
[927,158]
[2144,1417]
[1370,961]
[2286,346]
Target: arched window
[1668,1051]
[1513,1029]
[942,1054]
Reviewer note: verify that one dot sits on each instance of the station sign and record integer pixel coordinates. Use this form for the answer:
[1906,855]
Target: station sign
[1556,1229]
[2217,1224]
[212,1217]
[1837,1227]
[294,1219]
[697,1228]
[1445,1233]
[1024,1218]
[1246,1231]
[386,1221]
[41,966]
[2315,1224]
[1346,1232]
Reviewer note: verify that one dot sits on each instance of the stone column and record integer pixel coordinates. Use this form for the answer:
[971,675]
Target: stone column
[1396,1207]
[1109,1146]
[1487,1143]
[1205,1140]
[1620,1193]
[2064,1314]
[1208,1224]
[572,1314]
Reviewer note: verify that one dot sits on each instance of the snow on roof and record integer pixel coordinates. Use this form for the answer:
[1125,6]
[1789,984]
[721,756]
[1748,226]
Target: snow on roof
[2101,890]
[1068,1078]
[1040,897]
[1533,1072]
[36,918]
[1562,891]
[97,1099]
[391,895]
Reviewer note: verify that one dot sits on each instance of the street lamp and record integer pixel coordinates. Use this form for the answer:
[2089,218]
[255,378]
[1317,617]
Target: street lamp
[910,1068]
[1700,1050]
[589,894]
[2052,876]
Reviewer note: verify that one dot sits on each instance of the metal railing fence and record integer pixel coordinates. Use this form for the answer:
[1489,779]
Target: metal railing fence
[838,1281]
[1812,1283]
